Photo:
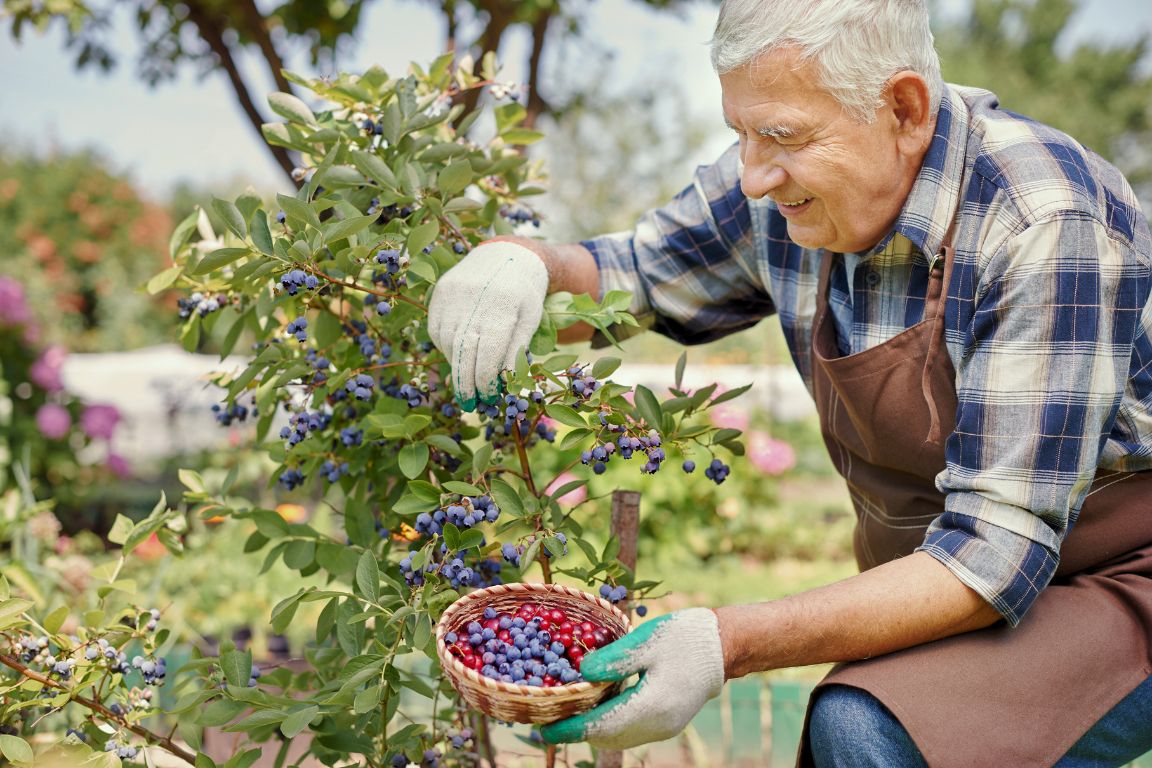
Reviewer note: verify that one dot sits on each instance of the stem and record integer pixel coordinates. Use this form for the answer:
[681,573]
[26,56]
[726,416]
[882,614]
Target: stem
[486,740]
[101,710]
[282,753]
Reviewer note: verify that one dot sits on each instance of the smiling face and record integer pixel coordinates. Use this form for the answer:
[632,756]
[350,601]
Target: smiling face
[839,184]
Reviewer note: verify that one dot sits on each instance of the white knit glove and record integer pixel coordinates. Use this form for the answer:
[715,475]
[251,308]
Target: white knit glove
[483,312]
[681,666]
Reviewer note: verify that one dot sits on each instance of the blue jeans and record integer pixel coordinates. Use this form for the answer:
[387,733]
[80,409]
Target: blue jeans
[850,728]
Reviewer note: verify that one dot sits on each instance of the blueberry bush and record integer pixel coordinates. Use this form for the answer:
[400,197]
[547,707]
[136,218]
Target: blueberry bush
[327,287]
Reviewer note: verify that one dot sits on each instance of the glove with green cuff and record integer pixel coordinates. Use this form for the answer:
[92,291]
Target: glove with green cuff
[483,311]
[681,666]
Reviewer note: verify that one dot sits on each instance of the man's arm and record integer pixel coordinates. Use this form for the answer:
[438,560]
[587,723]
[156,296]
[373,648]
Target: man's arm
[897,605]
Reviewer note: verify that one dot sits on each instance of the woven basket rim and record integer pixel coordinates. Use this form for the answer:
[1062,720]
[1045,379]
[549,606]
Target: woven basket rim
[527,588]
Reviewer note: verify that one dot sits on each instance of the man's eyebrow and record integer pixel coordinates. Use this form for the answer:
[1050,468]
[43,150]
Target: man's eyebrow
[773,131]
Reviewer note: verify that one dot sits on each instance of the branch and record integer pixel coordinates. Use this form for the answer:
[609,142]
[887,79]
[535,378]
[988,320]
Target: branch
[101,710]
[213,35]
[536,104]
[258,26]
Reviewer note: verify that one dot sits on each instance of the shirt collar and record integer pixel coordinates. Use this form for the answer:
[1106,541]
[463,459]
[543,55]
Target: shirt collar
[933,200]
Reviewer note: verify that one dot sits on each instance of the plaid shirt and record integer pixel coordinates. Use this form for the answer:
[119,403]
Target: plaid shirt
[1049,323]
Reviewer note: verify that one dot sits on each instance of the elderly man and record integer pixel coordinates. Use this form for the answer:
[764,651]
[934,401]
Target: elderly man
[966,294]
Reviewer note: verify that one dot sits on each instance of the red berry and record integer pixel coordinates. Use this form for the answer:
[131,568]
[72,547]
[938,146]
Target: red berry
[564,639]
[492,624]
[544,624]
[549,681]
[504,635]
[557,615]
[565,626]
[587,627]
[473,662]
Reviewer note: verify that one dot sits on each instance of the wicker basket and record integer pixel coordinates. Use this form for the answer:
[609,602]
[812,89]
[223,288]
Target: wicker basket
[522,703]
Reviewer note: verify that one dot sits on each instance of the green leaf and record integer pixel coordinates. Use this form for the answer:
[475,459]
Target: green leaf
[422,236]
[182,232]
[327,330]
[566,415]
[269,523]
[454,178]
[506,497]
[203,761]
[368,576]
[480,459]
[237,667]
[575,437]
[53,621]
[228,211]
[288,106]
[191,479]
[465,489]
[367,699]
[298,210]
[374,168]
[298,720]
[16,749]
[244,759]
[261,234]
[221,257]
[648,406]
[680,364]
[163,280]
[120,529]
[342,230]
[413,459]
[605,367]
[521,136]
[220,712]
[724,397]
[723,435]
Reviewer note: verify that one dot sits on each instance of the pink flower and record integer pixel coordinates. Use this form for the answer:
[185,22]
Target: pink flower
[99,421]
[118,465]
[729,417]
[53,420]
[572,498]
[13,305]
[45,372]
[769,455]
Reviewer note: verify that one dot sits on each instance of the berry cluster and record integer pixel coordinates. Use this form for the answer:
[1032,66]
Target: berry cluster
[300,424]
[520,215]
[152,669]
[333,470]
[298,328]
[452,565]
[535,646]
[717,471]
[582,386]
[122,750]
[613,594]
[463,514]
[291,478]
[200,304]
[360,386]
[392,260]
[295,279]
[117,660]
[628,445]
[235,412]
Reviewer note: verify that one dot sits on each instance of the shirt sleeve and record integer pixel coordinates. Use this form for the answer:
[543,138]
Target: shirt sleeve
[1046,358]
[690,265]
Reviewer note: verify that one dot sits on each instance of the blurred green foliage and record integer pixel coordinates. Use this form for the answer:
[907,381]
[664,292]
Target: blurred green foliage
[83,241]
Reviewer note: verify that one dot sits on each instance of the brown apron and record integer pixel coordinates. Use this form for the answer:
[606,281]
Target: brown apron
[998,696]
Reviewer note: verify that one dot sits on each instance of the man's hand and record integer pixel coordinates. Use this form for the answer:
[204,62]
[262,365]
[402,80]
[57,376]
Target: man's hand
[483,311]
[681,666]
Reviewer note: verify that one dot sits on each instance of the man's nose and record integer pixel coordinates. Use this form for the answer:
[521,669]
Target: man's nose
[761,173]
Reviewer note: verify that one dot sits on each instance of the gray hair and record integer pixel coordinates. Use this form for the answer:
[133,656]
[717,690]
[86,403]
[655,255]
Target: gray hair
[856,45]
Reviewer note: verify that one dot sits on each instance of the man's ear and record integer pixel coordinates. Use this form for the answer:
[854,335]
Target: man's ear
[906,95]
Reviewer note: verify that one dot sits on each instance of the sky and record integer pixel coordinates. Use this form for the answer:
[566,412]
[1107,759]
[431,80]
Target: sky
[192,130]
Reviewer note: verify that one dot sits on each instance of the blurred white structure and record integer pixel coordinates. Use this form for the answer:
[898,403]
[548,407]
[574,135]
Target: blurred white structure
[165,396]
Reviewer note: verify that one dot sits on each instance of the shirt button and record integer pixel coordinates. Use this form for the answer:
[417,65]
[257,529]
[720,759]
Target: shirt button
[872,278]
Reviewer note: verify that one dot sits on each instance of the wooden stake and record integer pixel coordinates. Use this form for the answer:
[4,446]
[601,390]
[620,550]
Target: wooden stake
[626,528]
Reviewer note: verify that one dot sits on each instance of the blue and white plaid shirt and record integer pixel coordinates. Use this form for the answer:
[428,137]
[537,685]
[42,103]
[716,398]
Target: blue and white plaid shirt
[1049,322]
